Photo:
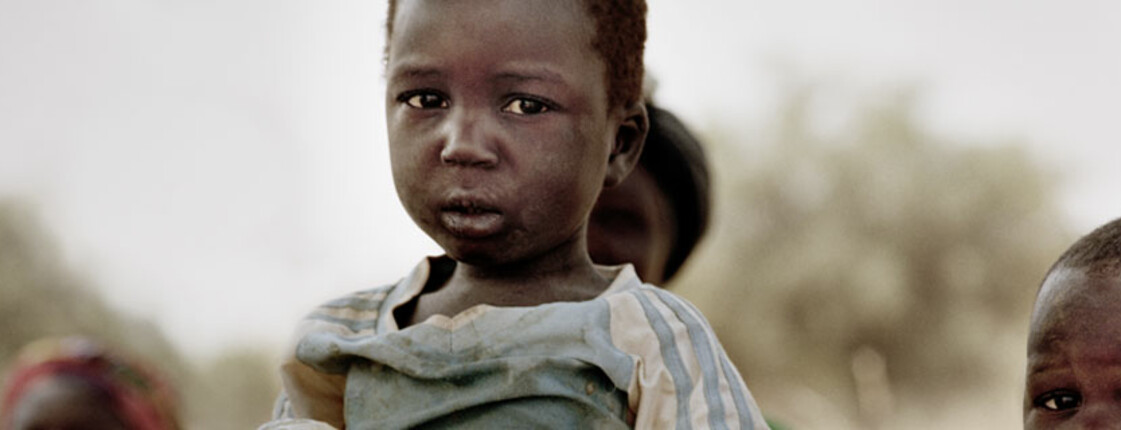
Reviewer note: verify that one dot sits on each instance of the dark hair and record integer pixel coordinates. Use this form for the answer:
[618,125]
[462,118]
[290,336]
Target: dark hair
[675,159]
[620,39]
[1098,252]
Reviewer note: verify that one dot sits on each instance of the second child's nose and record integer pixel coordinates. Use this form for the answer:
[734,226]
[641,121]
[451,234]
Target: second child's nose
[468,143]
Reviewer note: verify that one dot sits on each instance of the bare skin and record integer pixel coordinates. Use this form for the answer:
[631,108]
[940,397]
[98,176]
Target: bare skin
[501,138]
[1074,353]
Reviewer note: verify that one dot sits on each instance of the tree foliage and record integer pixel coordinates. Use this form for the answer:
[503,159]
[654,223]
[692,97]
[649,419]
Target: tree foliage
[875,274]
[40,297]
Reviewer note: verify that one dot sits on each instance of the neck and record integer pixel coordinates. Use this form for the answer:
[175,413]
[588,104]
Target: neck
[524,286]
[564,273]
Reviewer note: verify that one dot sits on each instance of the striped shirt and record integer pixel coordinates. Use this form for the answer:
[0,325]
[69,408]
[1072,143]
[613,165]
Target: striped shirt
[636,356]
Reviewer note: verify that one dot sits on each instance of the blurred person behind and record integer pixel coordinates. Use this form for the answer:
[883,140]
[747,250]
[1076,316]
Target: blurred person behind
[657,215]
[76,383]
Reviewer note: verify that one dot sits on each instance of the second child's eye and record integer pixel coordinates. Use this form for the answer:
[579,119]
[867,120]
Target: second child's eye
[425,100]
[525,106]
[1059,400]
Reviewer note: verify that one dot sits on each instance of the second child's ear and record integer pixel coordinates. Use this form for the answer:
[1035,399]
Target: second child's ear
[627,147]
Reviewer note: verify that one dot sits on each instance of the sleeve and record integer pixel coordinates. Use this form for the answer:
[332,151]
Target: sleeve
[682,378]
[312,394]
[313,372]
[282,408]
[295,424]
[310,399]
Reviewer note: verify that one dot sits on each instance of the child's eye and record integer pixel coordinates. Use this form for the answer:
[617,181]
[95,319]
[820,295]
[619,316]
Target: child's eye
[424,100]
[1059,400]
[525,106]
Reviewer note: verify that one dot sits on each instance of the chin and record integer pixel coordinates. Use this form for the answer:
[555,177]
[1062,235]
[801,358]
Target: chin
[475,254]
[480,259]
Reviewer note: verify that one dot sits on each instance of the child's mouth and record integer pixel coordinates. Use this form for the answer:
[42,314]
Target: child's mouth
[468,219]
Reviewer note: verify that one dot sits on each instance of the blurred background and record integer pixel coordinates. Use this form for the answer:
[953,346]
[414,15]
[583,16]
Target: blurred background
[893,178]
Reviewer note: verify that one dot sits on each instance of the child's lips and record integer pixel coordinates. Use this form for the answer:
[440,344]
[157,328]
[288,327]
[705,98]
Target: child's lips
[470,220]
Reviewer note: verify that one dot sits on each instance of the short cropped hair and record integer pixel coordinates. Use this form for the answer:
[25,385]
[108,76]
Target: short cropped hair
[1098,252]
[675,159]
[620,39]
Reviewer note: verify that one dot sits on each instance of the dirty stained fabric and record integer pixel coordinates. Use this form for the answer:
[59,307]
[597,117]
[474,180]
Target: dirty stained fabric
[635,356]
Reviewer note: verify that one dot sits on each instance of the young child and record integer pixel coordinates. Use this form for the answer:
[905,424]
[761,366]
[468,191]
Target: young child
[1074,347]
[75,383]
[506,118]
[656,216]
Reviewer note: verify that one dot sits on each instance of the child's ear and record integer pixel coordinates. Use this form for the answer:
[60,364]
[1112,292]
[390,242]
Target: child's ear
[627,147]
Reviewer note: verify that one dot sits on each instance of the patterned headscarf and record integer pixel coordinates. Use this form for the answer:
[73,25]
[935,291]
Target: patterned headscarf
[140,398]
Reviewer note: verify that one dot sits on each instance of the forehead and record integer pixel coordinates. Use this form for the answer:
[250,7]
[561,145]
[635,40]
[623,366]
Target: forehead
[1077,311]
[492,25]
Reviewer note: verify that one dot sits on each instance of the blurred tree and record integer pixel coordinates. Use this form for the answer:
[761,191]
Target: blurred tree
[237,392]
[874,274]
[39,297]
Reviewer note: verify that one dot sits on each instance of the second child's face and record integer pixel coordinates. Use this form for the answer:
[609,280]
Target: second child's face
[1074,353]
[498,124]
[633,223]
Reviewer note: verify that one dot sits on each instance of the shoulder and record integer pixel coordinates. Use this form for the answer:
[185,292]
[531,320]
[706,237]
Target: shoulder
[355,311]
[662,329]
[628,294]
[312,371]
[353,314]
[363,312]
[656,306]
[684,377]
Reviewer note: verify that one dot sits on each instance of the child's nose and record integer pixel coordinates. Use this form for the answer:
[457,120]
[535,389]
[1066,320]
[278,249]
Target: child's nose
[469,143]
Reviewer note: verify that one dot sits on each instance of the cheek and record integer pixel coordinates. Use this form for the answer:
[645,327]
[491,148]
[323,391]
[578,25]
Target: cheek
[407,152]
[402,170]
[554,196]
[661,238]
[569,170]
[408,166]
[1031,422]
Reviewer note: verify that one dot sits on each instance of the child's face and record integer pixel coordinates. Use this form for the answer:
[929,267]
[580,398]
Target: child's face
[499,128]
[1074,353]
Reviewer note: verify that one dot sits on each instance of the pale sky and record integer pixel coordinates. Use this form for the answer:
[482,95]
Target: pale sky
[220,166]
